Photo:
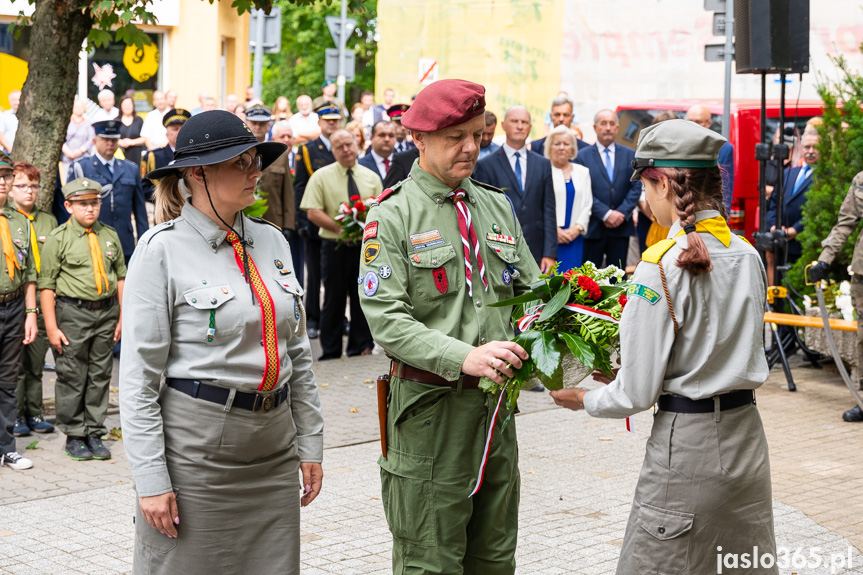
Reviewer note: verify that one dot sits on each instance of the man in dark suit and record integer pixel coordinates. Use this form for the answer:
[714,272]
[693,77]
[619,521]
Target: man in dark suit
[614,196]
[525,176]
[401,167]
[562,113]
[312,156]
[379,159]
[395,113]
[122,194]
[796,182]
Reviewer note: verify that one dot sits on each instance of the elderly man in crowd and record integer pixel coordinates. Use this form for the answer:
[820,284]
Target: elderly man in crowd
[153,131]
[107,110]
[305,122]
[9,122]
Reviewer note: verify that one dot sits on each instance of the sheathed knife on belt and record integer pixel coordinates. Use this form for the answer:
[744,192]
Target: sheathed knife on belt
[829,333]
[383,394]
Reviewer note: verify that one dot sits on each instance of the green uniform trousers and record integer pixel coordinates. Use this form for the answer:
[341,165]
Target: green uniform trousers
[29,389]
[436,436]
[84,368]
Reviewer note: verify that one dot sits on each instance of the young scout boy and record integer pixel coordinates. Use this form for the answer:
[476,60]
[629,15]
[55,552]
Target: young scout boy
[82,286]
[17,302]
[25,191]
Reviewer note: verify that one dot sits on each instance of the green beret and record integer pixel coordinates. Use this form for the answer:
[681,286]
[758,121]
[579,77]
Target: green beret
[81,188]
[676,144]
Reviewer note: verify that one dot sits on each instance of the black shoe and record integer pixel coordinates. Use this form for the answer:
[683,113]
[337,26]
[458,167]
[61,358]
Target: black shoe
[313,332]
[855,414]
[97,448]
[327,356]
[77,450]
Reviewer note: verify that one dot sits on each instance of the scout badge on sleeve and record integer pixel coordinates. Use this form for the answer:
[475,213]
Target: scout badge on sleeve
[440,279]
[370,284]
[370,252]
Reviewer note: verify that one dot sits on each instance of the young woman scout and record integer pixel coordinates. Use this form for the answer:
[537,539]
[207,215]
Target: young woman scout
[214,305]
[691,344]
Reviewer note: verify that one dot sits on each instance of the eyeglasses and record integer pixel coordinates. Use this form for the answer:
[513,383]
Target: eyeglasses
[24,187]
[85,204]
[7,177]
[247,161]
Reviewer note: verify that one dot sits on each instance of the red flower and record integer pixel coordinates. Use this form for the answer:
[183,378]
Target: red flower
[622,300]
[568,275]
[355,198]
[361,207]
[590,286]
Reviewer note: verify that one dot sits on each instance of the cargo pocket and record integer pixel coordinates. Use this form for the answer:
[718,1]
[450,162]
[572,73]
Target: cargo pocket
[435,272]
[293,302]
[151,538]
[662,539]
[500,266]
[408,497]
[209,303]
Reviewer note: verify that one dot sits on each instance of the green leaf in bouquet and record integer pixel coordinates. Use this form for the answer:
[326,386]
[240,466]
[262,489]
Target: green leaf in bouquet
[540,289]
[544,353]
[602,361]
[556,304]
[526,297]
[579,348]
[555,283]
[555,381]
[612,291]
[488,385]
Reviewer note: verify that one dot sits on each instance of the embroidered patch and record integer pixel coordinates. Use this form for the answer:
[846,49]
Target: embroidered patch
[370,231]
[416,258]
[385,272]
[370,284]
[41,238]
[643,292]
[370,252]
[425,240]
[360,280]
[507,277]
[440,279]
[500,238]
[495,228]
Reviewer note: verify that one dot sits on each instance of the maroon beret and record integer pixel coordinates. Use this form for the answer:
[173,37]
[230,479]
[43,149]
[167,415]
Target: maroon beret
[443,104]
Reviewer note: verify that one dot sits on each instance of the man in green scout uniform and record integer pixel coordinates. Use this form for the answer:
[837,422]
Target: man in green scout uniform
[82,287]
[438,249]
[25,191]
[17,302]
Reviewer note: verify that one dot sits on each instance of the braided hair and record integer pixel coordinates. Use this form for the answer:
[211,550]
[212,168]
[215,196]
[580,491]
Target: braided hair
[692,189]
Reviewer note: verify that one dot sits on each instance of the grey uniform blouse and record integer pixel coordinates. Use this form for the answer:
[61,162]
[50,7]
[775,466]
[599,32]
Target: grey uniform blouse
[183,274]
[719,347]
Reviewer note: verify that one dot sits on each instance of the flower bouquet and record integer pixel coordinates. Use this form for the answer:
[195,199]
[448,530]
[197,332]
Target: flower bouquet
[569,325]
[352,219]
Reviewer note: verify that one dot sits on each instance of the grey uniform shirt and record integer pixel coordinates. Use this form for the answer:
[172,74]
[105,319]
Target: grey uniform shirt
[719,347]
[181,272]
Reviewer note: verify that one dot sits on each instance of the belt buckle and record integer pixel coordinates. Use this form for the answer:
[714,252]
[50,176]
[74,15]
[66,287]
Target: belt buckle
[264,401]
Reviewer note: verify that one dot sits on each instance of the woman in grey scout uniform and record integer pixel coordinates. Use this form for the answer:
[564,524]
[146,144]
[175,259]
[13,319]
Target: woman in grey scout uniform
[691,343]
[216,308]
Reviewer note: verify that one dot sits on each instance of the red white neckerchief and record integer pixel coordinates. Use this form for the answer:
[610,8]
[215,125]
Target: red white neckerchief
[468,239]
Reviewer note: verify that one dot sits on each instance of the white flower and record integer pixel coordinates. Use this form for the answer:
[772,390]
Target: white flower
[807,303]
[848,314]
[850,273]
[845,288]
[844,305]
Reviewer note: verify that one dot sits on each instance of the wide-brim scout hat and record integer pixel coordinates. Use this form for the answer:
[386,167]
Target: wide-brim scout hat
[676,144]
[176,116]
[82,189]
[214,137]
[443,104]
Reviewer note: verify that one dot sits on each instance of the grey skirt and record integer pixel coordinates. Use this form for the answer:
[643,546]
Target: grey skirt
[704,485]
[236,479]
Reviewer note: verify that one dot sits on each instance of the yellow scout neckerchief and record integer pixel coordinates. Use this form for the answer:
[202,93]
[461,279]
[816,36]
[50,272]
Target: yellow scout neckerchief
[98,262]
[34,245]
[8,247]
[716,227]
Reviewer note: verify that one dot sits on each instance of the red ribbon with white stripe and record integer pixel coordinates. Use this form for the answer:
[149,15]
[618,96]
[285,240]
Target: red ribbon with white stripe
[468,239]
[481,474]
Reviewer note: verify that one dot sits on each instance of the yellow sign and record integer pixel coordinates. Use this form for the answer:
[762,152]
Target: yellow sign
[142,63]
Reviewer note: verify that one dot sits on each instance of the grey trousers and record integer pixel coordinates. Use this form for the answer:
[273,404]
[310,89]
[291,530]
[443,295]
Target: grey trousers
[705,483]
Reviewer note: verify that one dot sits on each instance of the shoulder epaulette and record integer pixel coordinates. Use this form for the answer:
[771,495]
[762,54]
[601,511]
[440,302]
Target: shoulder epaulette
[149,234]
[655,252]
[486,186]
[263,221]
[59,229]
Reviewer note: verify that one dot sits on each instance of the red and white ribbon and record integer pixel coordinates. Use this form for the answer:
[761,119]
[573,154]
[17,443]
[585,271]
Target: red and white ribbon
[481,473]
[597,313]
[344,212]
[468,240]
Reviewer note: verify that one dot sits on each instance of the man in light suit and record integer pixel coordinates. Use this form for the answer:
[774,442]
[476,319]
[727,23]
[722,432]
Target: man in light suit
[525,176]
[380,157]
[614,196]
[562,114]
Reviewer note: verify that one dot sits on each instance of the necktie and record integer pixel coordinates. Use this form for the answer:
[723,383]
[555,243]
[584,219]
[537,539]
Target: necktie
[268,316]
[386,165]
[609,166]
[110,170]
[34,245]
[468,239]
[800,181]
[98,261]
[518,173]
[353,191]
[8,249]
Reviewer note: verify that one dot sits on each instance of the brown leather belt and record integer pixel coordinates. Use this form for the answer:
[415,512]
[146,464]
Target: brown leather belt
[11,296]
[404,371]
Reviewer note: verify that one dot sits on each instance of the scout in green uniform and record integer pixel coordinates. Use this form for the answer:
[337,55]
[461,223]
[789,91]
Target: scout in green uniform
[25,191]
[704,490]
[17,302]
[437,250]
[82,287]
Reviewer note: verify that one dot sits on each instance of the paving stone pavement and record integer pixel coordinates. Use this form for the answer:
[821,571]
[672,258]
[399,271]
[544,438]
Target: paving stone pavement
[578,476]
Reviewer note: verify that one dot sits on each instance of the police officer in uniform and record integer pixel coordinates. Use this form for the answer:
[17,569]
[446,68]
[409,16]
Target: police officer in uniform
[159,158]
[312,156]
[850,214]
[18,325]
[122,193]
[427,299]
[217,451]
[691,343]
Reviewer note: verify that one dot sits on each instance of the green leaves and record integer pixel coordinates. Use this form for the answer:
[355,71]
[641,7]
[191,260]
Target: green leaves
[545,354]
[579,348]
[556,304]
